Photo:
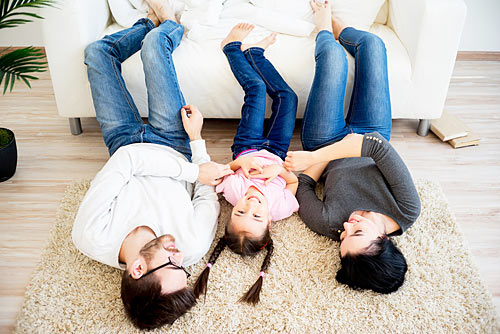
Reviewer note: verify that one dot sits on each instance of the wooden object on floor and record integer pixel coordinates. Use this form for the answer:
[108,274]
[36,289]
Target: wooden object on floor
[448,127]
[472,139]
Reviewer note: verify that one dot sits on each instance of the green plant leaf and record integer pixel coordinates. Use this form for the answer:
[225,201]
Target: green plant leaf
[20,64]
[6,11]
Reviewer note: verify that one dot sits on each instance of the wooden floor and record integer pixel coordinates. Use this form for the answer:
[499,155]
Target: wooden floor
[50,158]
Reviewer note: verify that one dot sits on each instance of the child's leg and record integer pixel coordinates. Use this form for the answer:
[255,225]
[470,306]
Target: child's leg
[323,121]
[116,112]
[165,98]
[250,130]
[370,108]
[279,129]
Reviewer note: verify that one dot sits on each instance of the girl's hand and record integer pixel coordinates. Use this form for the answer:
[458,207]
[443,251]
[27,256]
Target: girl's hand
[299,160]
[248,164]
[269,173]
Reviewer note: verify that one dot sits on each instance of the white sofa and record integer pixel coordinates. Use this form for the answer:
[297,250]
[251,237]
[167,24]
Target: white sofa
[421,38]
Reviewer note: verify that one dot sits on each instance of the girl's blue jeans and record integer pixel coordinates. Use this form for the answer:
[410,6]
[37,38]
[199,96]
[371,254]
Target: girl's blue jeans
[257,76]
[116,112]
[370,106]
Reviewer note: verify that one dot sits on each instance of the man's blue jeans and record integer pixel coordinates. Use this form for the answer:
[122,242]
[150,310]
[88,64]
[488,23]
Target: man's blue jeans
[370,107]
[116,112]
[257,76]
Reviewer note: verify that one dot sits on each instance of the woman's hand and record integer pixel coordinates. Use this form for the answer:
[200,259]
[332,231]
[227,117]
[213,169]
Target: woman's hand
[247,164]
[299,160]
[192,120]
[269,173]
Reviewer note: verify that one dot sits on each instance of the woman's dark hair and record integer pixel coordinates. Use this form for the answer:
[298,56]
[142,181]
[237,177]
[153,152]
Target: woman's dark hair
[147,307]
[381,268]
[245,246]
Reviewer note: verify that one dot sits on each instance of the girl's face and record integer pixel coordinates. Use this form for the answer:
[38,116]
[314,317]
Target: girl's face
[250,215]
[360,231]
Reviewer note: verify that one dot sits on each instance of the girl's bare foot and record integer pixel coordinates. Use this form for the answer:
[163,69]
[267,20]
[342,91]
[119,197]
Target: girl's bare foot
[337,27]
[152,16]
[237,34]
[162,10]
[322,15]
[262,43]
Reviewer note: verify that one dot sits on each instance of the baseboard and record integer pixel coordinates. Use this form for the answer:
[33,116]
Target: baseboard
[479,55]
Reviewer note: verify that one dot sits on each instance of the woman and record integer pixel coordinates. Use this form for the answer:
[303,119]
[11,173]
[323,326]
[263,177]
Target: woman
[369,194]
[261,189]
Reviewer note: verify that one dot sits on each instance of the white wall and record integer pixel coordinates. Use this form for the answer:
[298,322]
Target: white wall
[23,35]
[482,26]
[481,31]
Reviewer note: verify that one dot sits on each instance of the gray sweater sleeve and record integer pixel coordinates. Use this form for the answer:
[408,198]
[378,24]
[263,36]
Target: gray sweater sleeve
[396,174]
[312,210]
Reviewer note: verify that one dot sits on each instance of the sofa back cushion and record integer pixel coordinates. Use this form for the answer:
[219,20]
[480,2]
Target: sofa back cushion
[359,14]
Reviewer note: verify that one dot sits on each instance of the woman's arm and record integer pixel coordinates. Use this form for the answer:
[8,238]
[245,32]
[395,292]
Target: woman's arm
[312,210]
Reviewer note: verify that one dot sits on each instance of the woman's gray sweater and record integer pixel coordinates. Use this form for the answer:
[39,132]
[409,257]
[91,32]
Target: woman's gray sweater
[377,181]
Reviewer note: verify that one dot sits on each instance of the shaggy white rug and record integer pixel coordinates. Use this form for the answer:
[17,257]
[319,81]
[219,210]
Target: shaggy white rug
[443,293]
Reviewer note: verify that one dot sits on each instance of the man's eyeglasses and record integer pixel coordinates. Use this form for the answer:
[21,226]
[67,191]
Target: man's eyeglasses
[169,263]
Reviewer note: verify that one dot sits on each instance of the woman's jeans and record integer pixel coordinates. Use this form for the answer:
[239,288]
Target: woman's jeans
[370,107]
[116,112]
[257,75]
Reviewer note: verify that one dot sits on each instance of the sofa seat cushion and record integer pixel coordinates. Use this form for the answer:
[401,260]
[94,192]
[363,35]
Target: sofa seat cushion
[207,81]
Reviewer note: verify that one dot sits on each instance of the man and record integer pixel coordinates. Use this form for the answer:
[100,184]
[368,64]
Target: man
[149,210]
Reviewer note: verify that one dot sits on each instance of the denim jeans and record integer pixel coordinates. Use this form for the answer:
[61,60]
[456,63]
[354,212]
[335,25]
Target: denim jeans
[370,106]
[116,112]
[257,76]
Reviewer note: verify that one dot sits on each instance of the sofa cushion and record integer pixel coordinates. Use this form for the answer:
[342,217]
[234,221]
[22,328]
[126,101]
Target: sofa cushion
[357,13]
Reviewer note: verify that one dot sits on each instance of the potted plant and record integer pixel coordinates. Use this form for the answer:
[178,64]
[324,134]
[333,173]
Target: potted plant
[17,64]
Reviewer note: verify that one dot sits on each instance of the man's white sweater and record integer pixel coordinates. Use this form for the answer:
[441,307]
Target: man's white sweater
[148,185]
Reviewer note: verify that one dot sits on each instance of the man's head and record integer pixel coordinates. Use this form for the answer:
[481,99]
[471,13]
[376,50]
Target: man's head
[154,285]
[250,216]
[368,258]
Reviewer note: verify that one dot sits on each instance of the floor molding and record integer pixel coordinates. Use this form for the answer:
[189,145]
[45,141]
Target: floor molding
[479,55]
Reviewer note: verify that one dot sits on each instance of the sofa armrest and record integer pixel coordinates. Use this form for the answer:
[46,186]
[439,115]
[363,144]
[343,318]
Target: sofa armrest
[430,30]
[67,30]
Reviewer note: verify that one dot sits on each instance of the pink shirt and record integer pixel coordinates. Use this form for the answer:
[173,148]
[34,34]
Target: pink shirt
[282,203]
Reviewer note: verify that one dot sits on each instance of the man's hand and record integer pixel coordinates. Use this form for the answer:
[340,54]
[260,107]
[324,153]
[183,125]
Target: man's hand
[212,173]
[299,160]
[270,172]
[192,119]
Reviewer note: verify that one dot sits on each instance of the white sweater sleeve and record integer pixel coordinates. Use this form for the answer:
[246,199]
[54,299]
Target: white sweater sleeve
[206,206]
[97,208]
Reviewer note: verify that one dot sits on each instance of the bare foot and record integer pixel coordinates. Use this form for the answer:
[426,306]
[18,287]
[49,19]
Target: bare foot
[162,10]
[152,16]
[261,44]
[322,15]
[337,26]
[237,34]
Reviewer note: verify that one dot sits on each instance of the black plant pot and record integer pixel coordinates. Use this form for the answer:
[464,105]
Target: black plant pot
[8,154]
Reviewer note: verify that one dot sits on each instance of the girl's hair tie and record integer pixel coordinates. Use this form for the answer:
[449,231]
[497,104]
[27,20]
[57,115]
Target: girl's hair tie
[262,274]
[209,265]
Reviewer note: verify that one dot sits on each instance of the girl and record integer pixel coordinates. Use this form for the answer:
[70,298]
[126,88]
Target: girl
[370,196]
[261,189]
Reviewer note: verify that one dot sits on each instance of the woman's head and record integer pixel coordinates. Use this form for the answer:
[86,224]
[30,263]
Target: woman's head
[360,231]
[250,216]
[368,257]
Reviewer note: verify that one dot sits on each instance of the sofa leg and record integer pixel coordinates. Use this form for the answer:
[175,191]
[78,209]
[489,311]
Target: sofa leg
[75,126]
[423,127]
